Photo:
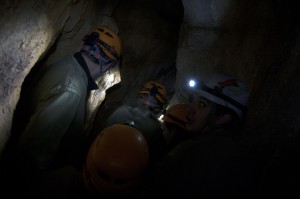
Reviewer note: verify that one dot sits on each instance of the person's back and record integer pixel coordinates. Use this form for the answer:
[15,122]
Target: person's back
[35,145]
[61,86]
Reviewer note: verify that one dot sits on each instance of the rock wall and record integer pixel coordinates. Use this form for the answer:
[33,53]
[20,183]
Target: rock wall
[33,32]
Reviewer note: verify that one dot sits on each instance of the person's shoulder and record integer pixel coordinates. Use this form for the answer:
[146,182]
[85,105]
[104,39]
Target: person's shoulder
[62,60]
[136,110]
[122,108]
[62,67]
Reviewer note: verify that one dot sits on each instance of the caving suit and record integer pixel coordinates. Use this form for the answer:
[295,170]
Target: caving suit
[52,124]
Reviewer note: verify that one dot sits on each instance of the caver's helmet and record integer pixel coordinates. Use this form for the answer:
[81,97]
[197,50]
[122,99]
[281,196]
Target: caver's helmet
[109,42]
[155,91]
[224,90]
[176,114]
[116,161]
[103,45]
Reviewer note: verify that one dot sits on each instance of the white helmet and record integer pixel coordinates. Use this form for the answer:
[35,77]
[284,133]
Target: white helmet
[224,90]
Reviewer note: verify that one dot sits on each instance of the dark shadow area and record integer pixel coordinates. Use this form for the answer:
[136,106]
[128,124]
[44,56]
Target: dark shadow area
[262,41]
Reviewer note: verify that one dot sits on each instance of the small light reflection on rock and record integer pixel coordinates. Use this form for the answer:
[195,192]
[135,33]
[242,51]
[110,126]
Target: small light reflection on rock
[96,97]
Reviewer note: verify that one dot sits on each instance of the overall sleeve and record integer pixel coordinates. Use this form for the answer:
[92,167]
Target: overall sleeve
[41,138]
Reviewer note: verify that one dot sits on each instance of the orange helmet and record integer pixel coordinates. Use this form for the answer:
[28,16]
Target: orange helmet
[176,114]
[109,42]
[116,160]
[157,90]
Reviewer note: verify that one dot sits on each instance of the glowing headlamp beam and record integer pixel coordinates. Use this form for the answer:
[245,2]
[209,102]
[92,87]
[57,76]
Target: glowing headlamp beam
[192,83]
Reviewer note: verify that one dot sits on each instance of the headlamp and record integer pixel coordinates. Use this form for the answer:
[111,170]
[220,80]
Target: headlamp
[192,83]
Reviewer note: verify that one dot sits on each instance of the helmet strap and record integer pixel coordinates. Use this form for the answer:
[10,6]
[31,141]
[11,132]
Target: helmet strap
[97,55]
[92,47]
